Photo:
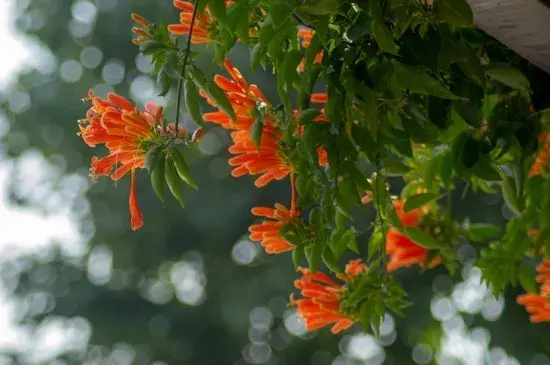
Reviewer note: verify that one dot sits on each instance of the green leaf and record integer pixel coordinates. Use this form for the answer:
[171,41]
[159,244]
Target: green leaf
[238,19]
[316,219]
[181,167]
[454,12]
[164,82]
[256,55]
[393,219]
[171,65]
[422,238]
[361,27]
[348,189]
[480,232]
[313,256]
[322,7]
[509,76]
[417,201]
[217,8]
[288,232]
[192,102]
[509,193]
[157,175]
[331,261]
[228,40]
[527,278]
[151,157]
[198,77]
[257,127]
[150,47]
[308,115]
[343,239]
[394,167]
[291,61]
[173,181]
[376,242]
[472,65]
[220,99]
[468,111]
[418,81]
[280,11]
[298,255]
[340,220]
[446,168]
[383,37]
[336,242]
[267,32]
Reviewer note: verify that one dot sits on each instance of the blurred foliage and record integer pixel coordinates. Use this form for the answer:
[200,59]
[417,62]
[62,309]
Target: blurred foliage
[90,44]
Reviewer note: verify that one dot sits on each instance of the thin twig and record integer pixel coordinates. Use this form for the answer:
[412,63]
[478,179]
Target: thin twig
[184,65]
[383,254]
[293,192]
[449,214]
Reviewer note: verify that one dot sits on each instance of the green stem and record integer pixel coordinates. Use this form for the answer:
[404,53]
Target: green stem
[383,254]
[449,214]
[183,66]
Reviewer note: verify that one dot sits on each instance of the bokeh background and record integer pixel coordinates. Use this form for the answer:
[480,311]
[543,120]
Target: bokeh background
[77,286]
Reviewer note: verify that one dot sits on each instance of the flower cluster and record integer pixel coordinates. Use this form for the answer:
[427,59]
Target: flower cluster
[402,250]
[267,159]
[204,30]
[267,232]
[127,132]
[143,33]
[538,305]
[268,143]
[320,305]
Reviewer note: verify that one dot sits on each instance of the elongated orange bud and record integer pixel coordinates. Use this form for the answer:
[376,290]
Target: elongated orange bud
[140,20]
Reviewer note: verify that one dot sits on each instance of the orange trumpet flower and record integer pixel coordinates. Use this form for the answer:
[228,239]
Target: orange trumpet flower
[538,305]
[267,159]
[204,28]
[306,35]
[320,305]
[127,132]
[267,232]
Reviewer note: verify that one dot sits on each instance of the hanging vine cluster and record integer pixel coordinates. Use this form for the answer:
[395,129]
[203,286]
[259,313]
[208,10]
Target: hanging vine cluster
[369,90]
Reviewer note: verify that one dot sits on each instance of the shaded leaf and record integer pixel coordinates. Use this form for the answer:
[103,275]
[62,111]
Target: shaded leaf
[508,76]
[173,181]
[192,102]
[480,232]
[417,201]
[181,167]
[157,175]
[454,12]
[422,238]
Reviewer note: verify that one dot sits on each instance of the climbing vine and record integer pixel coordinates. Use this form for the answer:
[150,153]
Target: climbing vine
[370,92]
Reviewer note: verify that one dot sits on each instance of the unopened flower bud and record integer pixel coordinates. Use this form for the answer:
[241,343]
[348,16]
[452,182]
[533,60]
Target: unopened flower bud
[140,20]
[197,134]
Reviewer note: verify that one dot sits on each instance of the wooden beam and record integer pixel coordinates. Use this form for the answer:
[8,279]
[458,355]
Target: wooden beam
[521,25]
